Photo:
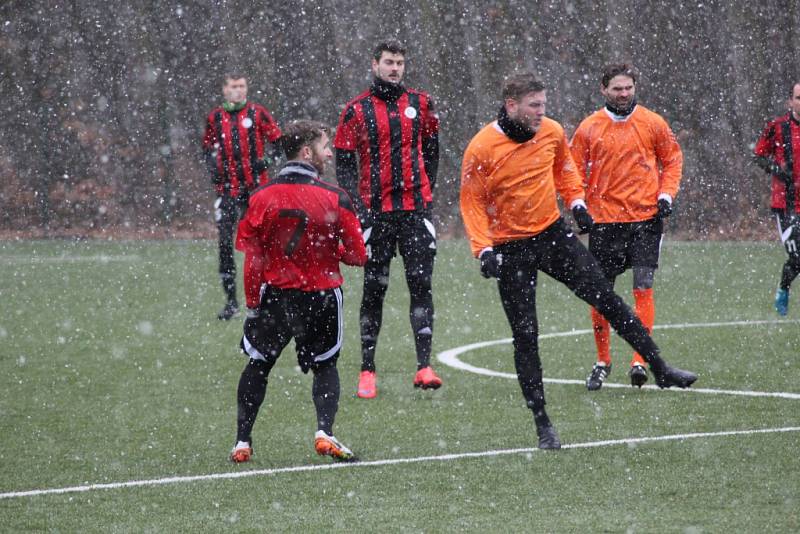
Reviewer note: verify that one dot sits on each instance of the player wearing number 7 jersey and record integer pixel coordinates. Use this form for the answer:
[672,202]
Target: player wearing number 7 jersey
[296,231]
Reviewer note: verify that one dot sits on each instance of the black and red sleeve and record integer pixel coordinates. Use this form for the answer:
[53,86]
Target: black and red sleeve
[211,150]
[430,143]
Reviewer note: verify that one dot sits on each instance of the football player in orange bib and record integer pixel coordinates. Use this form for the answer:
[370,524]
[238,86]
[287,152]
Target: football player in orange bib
[631,165]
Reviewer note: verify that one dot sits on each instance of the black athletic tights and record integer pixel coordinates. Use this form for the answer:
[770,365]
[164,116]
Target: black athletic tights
[253,389]
[791,267]
[419,272]
[227,213]
[558,253]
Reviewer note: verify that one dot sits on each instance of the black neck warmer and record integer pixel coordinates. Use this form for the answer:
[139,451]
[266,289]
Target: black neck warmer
[621,112]
[387,91]
[518,133]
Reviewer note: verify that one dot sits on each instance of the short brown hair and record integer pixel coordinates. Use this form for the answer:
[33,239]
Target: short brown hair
[616,69]
[233,76]
[298,134]
[393,47]
[520,84]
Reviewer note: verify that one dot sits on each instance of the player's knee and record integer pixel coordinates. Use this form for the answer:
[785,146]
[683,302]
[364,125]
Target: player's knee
[376,278]
[643,277]
[375,282]
[420,313]
[421,320]
[373,295]
[608,304]
[420,288]
[258,368]
[328,363]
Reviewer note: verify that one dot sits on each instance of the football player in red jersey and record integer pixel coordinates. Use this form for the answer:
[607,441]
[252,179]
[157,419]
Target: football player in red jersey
[777,153]
[295,232]
[240,143]
[387,155]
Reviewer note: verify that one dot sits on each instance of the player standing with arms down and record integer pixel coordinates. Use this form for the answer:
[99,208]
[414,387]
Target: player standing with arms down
[778,153]
[632,167]
[509,177]
[296,231]
[239,144]
[387,154]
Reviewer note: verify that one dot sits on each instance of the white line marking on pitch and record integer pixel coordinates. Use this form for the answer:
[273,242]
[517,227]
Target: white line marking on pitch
[451,358]
[388,462]
[99,258]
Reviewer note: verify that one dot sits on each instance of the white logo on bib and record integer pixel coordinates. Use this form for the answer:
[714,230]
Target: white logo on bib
[411,113]
[247,122]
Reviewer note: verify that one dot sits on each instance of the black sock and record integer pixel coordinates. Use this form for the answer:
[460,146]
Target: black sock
[229,286]
[789,273]
[368,353]
[421,322]
[250,395]
[423,345]
[325,392]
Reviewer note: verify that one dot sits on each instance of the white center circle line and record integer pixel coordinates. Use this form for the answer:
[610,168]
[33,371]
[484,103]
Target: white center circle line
[451,358]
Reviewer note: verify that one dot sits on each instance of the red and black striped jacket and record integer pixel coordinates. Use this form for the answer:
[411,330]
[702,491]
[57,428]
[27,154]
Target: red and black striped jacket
[393,134]
[234,144]
[778,152]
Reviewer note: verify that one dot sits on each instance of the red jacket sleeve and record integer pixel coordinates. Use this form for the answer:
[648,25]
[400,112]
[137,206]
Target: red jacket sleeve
[269,128]
[346,136]
[766,145]
[210,136]
[430,124]
[248,241]
[210,149]
[354,252]
[669,154]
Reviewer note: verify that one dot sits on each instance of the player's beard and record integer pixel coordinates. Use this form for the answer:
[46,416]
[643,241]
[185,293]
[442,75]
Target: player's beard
[622,109]
[319,162]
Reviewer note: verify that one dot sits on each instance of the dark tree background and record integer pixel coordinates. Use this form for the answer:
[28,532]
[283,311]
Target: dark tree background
[103,102]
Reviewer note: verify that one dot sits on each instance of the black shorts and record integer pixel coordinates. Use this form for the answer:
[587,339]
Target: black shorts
[789,232]
[410,232]
[620,246]
[312,318]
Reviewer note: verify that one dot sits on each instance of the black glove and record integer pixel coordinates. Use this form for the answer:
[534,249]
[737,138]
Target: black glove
[582,219]
[366,219]
[427,213]
[490,264]
[779,171]
[664,208]
[260,165]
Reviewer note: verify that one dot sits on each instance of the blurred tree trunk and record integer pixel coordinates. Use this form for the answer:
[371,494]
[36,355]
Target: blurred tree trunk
[106,100]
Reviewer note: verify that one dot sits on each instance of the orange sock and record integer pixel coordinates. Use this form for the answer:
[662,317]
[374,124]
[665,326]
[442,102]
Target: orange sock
[601,337]
[646,311]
